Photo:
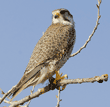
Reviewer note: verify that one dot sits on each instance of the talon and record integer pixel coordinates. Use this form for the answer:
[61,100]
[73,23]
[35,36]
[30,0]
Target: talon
[65,76]
[58,76]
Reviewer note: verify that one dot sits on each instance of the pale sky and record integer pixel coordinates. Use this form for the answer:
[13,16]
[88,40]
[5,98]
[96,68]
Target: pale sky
[22,23]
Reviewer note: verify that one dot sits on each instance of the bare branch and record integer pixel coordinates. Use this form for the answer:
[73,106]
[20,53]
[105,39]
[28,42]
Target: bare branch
[2,91]
[30,100]
[98,79]
[63,82]
[8,102]
[95,28]
[6,94]
[58,98]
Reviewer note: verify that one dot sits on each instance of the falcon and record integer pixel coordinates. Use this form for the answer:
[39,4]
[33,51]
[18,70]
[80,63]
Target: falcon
[50,53]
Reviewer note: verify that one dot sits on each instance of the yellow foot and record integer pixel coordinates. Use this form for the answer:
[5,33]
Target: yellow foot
[59,77]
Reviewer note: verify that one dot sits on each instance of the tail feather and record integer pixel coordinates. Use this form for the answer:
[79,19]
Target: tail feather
[14,94]
[26,81]
[18,90]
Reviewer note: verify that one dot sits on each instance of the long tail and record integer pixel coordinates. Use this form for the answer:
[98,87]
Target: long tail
[24,86]
[18,90]
[28,79]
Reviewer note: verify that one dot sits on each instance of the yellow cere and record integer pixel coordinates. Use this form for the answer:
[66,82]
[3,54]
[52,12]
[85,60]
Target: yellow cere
[57,14]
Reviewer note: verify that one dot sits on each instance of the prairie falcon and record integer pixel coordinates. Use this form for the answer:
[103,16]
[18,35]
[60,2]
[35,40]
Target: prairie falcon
[51,52]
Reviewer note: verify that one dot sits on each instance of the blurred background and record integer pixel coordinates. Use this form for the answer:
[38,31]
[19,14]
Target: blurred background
[22,23]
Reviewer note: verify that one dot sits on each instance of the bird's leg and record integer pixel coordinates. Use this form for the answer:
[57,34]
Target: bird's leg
[60,77]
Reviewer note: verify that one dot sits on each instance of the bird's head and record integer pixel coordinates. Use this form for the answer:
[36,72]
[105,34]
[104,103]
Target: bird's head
[62,16]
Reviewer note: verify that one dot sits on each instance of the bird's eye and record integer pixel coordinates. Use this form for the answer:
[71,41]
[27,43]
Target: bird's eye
[56,16]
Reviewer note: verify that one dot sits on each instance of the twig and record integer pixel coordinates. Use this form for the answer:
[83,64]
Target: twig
[98,79]
[31,93]
[63,82]
[8,102]
[6,94]
[58,98]
[2,91]
[97,23]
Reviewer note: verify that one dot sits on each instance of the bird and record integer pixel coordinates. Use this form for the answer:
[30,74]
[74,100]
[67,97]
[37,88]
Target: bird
[51,52]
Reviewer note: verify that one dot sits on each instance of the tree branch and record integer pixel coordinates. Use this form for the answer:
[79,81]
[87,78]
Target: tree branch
[63,82]
[8,102]
[58,98]
[95,28]
[98,79]
[6,94]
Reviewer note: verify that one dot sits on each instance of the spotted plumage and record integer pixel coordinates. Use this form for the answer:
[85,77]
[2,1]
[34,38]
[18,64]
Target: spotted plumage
[51,52]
